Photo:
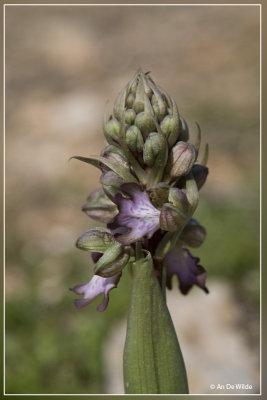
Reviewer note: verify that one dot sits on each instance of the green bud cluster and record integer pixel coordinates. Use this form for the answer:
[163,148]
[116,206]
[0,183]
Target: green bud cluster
[148,128]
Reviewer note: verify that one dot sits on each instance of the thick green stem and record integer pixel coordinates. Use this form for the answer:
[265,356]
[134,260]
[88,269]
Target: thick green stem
[153,362]
[163,280]
[138,251]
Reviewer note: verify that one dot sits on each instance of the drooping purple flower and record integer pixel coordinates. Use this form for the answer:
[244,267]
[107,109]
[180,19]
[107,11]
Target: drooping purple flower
[96,286]
[137,218]
[181,263]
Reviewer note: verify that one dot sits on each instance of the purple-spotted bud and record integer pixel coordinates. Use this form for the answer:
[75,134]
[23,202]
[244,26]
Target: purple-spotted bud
[193,234]
[113,261]
[183,156]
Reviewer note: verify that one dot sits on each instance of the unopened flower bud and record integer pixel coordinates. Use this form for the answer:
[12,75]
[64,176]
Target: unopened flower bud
[111,183]
[119,104]
[152,148]
[178,198]
[174,214]
[115,153]
[100,207]
[148,85]
[112,129]
[134,139]
[145,122]
[158,105]
[139,102]
[130,116]
[96,240]
[112,262]
[170,127]
[130,100]
[192,193]
[183,156]
[193,234]
[117,157]
[171,218]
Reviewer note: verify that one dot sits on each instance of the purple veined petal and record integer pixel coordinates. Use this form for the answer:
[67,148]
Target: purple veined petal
[137,217]
[182,264]
[96,286]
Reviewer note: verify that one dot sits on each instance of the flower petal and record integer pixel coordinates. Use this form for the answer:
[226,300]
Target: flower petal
[96,286]
[182,264]
[137,217]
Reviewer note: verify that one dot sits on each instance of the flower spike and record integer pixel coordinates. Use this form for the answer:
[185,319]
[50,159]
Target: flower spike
[149,191]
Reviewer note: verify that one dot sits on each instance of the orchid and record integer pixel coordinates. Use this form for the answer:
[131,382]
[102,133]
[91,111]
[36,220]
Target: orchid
[150,182]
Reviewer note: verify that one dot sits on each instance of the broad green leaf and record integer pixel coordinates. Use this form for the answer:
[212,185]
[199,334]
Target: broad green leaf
[153,362]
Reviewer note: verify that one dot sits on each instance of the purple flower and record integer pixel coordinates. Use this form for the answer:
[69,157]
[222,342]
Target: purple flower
[182,264]
[137,218]
[95,287]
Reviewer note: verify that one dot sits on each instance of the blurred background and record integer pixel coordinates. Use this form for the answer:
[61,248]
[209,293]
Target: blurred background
[62,64]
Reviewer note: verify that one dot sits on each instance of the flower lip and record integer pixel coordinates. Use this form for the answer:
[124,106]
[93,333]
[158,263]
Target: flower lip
[137,218]
[96,286]
[182,264]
